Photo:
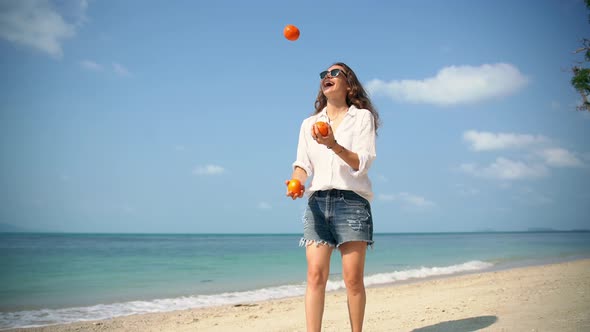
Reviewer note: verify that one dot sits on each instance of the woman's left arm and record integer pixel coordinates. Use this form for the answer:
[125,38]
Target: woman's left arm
[349,157]
[363,154]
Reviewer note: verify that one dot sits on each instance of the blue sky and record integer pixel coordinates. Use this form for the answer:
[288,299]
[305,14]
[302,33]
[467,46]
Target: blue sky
[183,116]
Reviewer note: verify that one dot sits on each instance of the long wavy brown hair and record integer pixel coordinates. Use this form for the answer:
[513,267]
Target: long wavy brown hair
[356,96]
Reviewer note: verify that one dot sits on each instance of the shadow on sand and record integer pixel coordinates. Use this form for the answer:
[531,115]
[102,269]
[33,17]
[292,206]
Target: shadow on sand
[461,325]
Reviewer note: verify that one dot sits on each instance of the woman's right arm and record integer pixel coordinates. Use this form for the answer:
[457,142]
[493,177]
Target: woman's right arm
[299,174]
[302,166]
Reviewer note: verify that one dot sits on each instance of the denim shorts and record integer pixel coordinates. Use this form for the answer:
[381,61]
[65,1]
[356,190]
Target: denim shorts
[334,217]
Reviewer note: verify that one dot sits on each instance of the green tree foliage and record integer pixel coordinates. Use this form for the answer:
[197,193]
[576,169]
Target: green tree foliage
[581,79]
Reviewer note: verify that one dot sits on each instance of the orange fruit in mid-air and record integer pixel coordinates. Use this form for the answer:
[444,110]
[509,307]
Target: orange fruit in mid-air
[291,32]
[294,186]
[322,127]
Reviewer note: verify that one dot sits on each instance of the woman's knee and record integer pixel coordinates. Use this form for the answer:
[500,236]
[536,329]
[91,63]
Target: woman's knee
[317,276]
[354,282]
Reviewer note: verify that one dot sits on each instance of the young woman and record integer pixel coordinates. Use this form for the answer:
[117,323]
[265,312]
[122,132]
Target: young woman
[338,212]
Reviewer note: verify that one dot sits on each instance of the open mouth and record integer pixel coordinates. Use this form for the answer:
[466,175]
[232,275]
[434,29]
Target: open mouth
[328,84]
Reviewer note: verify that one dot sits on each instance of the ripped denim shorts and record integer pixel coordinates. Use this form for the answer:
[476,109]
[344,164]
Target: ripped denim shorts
[334,217]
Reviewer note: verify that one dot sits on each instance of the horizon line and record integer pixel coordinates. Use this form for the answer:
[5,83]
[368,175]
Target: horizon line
[296,233]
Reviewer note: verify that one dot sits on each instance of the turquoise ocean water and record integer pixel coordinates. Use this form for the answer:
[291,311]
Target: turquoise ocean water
[58,278]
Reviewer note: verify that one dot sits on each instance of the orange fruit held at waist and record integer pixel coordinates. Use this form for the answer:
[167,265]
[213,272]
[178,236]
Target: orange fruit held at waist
[294,186]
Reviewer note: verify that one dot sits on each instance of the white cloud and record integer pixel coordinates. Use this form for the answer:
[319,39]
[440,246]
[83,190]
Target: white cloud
[540,154]
[120,69]
[466,190]
[558,157]
[506,169]
[381,178]
[485,141]
[117,68]
[445,49]
[407,198]
[38,24]
[91,65]
[264,206]
[454,85]
[129,209]
[208,170]
[387,197]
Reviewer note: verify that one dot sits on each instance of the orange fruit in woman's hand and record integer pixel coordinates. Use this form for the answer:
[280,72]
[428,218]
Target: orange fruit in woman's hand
[291,32]
[322,127]
[294,187]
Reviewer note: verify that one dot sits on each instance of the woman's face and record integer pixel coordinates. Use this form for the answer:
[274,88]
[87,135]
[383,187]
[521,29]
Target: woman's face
[334,87]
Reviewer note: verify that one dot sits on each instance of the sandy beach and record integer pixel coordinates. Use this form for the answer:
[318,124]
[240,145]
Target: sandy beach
[554,297]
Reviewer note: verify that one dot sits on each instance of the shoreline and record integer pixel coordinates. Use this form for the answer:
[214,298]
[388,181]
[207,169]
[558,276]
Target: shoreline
[549,297]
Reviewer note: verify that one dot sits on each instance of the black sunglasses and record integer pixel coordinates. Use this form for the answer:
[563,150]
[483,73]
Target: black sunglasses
[333,73]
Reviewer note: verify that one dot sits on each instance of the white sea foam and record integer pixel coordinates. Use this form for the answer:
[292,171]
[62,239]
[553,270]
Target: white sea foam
[104,311]
[420,273]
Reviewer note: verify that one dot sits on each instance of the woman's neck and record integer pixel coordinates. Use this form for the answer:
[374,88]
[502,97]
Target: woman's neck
[336,108]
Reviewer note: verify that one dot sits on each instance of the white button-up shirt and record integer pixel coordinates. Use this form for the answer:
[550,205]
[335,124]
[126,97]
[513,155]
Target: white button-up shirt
[356,133]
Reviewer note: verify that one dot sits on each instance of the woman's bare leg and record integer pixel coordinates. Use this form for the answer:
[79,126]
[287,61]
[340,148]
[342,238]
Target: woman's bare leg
[318,270]
[353,270]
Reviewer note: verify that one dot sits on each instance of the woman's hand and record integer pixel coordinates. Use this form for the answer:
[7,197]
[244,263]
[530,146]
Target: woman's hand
[295,195]
[328,140]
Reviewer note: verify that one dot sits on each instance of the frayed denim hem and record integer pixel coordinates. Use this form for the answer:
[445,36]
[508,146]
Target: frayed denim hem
[370,243]
[306,243]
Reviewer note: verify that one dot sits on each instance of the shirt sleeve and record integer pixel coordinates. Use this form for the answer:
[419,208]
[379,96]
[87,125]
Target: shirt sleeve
[303,160]
[364,145]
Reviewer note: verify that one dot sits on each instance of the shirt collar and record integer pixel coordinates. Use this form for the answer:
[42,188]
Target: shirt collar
[352,110]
